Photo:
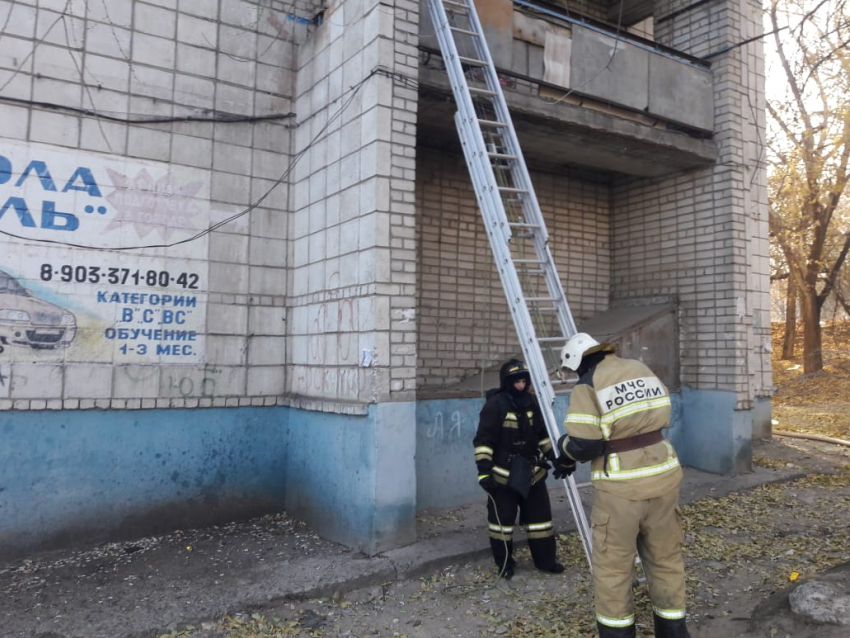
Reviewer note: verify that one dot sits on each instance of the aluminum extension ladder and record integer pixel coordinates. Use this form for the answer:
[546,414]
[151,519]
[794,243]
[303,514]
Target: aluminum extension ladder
[512,216]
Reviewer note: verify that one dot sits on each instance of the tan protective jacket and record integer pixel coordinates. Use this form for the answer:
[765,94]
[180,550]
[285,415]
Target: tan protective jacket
[621,398]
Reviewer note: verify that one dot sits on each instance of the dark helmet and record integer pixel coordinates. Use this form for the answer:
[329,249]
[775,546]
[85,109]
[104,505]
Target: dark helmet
[513,371]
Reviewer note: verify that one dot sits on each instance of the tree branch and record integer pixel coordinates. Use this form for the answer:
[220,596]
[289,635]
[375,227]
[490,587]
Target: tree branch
[833,273]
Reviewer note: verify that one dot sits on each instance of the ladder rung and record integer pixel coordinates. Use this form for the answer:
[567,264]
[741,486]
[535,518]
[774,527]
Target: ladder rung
[523,225]
[512,189]
[464,31]
[471,61]
[551,339]
[529,261]
[453,3]
[492,123]
[487,92]
[536,299]
[506,156]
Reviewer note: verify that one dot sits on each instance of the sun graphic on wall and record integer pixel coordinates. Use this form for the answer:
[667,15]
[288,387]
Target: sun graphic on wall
[162,205]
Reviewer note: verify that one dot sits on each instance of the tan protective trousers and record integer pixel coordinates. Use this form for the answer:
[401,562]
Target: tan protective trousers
[652,527]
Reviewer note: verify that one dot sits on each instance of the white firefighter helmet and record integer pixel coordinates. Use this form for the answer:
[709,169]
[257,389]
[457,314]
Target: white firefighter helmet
[576,347]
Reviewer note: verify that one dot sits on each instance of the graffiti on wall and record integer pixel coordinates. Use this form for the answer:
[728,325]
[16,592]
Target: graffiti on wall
[103,258]
[446,432]
[338,361]
[5,381]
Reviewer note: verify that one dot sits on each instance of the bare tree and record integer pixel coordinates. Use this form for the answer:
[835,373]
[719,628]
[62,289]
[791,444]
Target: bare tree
[779,280]
[809,149]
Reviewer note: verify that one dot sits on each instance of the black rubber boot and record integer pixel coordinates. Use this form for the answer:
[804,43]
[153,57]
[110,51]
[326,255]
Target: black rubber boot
[555,568]
[616,632]
[503,554]
[508,572]
[666,628]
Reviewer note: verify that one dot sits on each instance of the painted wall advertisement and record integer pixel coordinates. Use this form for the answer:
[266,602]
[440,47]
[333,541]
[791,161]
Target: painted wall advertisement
[102,258]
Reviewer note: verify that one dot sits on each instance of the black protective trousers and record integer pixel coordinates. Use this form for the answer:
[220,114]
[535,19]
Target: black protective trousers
[535,512]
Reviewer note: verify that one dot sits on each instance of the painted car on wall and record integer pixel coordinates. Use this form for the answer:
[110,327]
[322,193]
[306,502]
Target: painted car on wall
[27,320]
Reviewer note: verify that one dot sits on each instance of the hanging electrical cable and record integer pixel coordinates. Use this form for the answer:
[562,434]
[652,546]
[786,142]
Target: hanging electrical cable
[221,118]
[348,98]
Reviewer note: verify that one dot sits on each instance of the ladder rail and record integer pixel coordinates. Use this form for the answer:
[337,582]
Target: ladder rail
[487,197]
[490,195]
[466,109]
[531,207]
[462,95]
[460,89]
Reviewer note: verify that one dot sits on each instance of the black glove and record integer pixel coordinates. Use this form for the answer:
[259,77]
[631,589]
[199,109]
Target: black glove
[564,466]
[488,483]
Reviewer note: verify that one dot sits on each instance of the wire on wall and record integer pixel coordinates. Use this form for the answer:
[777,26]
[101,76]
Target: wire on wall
[347,99]
[222,118]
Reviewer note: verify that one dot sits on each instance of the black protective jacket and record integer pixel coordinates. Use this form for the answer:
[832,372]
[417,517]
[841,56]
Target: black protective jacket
[510,425]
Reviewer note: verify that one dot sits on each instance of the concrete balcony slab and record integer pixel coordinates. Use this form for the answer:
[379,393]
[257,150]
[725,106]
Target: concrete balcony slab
[574,132]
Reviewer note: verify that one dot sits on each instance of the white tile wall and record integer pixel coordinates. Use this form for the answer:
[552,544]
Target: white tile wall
[89,382]
[175,72]
[15,122]
[136,382]
[54,128]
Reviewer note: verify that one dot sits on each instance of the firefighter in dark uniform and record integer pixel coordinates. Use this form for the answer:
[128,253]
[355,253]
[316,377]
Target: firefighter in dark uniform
[511,446]
[617,411]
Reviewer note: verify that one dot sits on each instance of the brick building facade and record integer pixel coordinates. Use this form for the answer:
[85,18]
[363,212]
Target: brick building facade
[254,276]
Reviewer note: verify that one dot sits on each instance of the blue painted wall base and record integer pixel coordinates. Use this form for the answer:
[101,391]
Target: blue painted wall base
[72,478]
[68,478]
[716,437]
[352,478]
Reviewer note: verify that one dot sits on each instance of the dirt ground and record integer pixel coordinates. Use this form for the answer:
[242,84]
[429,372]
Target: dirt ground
[816,403]
[744,552]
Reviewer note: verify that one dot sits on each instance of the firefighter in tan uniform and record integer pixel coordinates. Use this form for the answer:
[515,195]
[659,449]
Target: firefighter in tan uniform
[617,411]
[510,447]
